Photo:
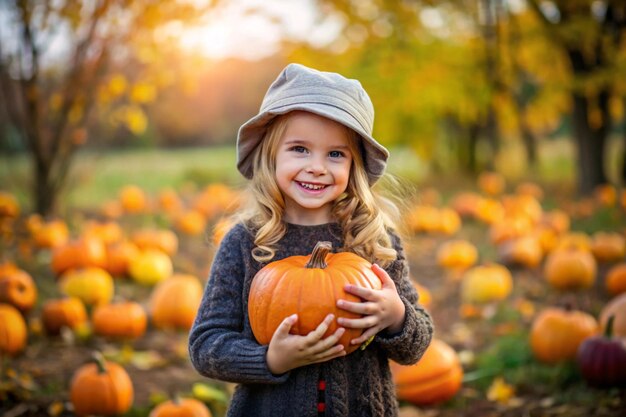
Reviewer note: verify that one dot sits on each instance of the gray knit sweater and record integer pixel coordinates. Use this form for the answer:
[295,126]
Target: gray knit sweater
[222,346]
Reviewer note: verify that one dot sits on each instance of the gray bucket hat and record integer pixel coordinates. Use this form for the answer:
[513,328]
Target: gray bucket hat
[327,94]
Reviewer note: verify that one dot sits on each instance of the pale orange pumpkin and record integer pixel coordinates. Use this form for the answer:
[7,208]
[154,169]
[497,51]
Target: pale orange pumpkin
[119,256]
[608,246]
[101,388]
[556,333]
[616,307]
[108,232]
[13,332]
[570,268]
[491,183]
[190,222]
[121,320]
[486,283]
[162,239]
[150,267]
[181,407]
[457,254]
[133,199]
[466,203]
[174,302]
[92,285]
[51,234]
[523,251]
[67,312]
[9,206]
[18,289]
[436,378]
[310,287]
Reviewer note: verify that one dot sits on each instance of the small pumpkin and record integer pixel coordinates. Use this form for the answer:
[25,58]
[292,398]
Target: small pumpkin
[436,378]
[556,333]
[615,281]
[119,256]
[524,251]
[80,253]
[309,286]
[93,286]
[162,239]
[51,234]
[190,222]
[175,301]
[133,199]
[486,283]
[150,267]
[457,254]
[570,268]
[102,388]
[602,359]
[616,307]
[13,332]
[181,407]
[9,206]
[67,312]
[608,246]
[122,320]
[491,183]
[18,289]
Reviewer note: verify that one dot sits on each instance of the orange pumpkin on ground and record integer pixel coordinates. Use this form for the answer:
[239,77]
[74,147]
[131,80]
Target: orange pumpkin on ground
[491,183]
[181,407]
[65,312]
[616,307]
[51,234]
[93,286]
[436,378]
[556,333]
[133,199]
[80,253]
[18,289]
[150,267]
[486,283]
[309,286]
[162,239]
[119,256]
[9,206]
[425,296]
[190,222]
[101,388]
[123,320]
[457,254]
[523,251]
[615,281]
[13,332]
[608,246]
[570,268]
[175,301]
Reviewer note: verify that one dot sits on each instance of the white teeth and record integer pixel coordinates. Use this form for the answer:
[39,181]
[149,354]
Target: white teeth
[311,186]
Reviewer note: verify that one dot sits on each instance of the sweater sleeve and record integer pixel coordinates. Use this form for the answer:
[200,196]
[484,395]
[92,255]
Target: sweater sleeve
[218,346]
[408,345]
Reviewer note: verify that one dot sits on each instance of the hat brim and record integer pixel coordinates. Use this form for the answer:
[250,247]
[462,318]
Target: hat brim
[251,133]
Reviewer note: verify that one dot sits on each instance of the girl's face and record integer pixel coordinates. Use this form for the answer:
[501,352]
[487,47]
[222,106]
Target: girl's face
[312,167]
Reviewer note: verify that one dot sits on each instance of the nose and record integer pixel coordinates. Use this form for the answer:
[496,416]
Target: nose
[316,167]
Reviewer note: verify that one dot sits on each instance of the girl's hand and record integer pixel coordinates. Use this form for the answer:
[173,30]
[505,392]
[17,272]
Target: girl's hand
[381,309]
[287,351]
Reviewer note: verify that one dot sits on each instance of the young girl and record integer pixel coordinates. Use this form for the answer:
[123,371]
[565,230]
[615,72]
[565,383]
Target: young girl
[311,160]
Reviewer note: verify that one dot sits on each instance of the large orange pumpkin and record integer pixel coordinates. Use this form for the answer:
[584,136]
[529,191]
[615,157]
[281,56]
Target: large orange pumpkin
[13,331]
[434,379]
[18,289]
[101,388]
[181,407]
[556,333]
[310,287]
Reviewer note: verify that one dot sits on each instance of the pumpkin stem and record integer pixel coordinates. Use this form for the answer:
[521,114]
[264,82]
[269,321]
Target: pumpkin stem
[318,257]
[608,332]
[98,358]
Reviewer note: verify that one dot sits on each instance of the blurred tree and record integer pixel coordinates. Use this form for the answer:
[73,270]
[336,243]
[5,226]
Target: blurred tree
[592,35]
[60,59]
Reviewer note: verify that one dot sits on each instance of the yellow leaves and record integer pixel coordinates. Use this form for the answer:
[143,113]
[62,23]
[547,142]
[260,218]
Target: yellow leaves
[142,92]
[117,85]
[132,117]
[500,391]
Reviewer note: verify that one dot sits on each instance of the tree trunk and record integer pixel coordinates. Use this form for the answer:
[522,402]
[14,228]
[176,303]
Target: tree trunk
[590,145]
[530,145]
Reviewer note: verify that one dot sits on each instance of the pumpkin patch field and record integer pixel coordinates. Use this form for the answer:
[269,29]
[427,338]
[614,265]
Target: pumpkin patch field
[525,282]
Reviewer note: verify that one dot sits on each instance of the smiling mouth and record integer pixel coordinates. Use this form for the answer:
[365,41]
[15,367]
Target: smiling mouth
[312,187]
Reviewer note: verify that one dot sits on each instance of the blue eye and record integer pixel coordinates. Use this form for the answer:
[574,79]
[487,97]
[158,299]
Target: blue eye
[336,154]
[299,149]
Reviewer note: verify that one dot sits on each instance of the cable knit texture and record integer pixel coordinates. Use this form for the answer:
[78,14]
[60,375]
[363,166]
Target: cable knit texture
[222,346]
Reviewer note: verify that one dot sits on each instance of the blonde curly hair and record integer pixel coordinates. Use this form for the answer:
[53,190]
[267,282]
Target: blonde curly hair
[364,216]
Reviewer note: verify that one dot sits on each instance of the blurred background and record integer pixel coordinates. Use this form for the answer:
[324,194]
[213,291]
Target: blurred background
[506,125]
